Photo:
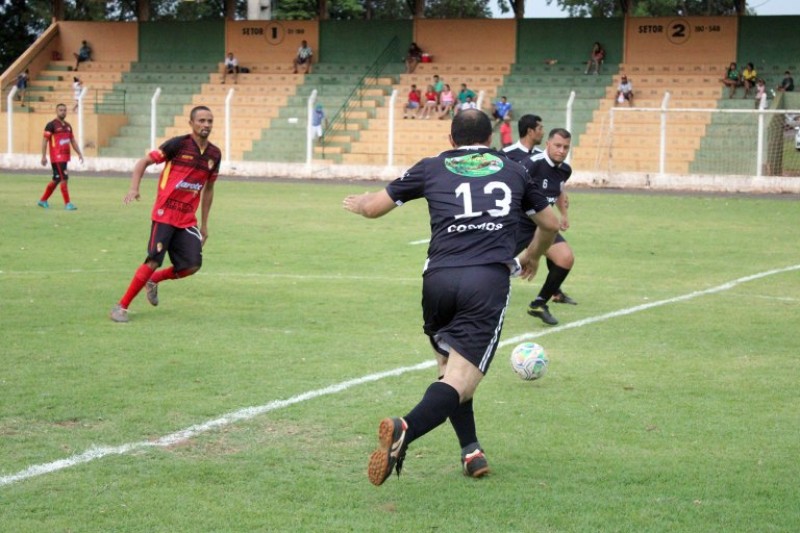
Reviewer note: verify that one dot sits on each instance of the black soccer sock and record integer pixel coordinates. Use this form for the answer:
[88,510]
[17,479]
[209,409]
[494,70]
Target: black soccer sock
[555,277]
[463,421]
[439,402]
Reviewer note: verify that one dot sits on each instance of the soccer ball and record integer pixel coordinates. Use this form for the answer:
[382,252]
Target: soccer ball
[529,361]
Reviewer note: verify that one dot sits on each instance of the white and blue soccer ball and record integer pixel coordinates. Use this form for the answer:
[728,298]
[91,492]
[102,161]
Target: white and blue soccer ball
[529,361]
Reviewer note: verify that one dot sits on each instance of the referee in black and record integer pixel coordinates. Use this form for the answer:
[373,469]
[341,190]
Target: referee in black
[475,197]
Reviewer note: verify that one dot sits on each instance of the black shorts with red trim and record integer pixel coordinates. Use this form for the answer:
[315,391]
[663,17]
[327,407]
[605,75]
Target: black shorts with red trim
[463,309]
[60,171]
[184,246]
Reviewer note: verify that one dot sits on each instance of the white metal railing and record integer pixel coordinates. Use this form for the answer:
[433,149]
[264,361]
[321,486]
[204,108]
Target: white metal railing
[310,128]
[615,128]
[390,140]
[10,118]
[568,119]
[228,100]
[81,96]
[154,117]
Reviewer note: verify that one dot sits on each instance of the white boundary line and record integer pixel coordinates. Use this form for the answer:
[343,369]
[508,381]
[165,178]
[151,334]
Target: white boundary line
[98,452]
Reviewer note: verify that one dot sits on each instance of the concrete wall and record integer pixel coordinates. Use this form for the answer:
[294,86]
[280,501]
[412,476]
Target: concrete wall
[110,41]
[468,40]
[695,40]
[28,128]
[268,41]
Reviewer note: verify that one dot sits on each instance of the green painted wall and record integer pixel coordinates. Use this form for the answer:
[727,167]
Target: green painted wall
[182,42]
[568,40]
[361,41]
[769,43]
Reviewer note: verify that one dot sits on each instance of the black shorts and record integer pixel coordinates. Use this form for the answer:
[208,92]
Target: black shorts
[184,245]
[60,171]
[463,308]
[525,237]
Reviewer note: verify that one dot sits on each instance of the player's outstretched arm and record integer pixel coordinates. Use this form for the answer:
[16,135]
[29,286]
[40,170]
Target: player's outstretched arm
[369,205]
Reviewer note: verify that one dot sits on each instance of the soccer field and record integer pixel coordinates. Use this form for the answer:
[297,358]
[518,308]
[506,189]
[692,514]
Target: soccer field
[249,399]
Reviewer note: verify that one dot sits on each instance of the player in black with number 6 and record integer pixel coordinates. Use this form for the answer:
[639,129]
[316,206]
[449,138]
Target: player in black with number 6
[475,198]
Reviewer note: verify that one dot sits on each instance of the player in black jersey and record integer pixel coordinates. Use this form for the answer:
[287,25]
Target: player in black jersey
[476,197]
[531,133]
[550,173]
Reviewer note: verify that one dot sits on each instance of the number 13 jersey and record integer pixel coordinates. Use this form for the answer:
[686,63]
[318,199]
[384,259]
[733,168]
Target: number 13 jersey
[475,200]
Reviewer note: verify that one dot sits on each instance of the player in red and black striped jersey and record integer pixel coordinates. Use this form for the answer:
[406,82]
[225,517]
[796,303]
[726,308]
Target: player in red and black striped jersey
[57,139]
[186,183]
[475,197]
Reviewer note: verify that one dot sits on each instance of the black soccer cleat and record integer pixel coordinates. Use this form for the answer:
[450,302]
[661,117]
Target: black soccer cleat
[541,311]
[474,462]
[563,298]
[391,450]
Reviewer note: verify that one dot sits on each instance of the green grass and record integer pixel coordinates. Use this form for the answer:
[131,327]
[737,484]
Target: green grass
[680,417]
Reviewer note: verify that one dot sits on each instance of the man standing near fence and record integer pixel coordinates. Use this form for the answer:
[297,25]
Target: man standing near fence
[58,138]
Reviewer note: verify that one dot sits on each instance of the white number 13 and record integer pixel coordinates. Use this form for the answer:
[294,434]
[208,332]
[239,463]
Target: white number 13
[503,204]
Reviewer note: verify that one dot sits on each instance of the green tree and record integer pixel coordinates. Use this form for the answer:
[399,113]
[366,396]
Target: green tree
[23,21]
[647,8]
[457,9]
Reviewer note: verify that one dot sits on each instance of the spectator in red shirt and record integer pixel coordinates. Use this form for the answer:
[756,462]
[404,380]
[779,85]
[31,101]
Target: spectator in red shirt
[412,106]
[58,138]
[186,183]
[431,103]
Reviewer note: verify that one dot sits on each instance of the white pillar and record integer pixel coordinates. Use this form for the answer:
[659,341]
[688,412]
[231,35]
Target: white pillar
[153,117]
[390,140]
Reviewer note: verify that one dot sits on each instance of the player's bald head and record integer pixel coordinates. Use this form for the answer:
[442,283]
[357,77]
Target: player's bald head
[471,126]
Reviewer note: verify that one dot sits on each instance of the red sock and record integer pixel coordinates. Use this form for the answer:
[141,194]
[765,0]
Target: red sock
[49,190]
[141,276]
[160,275]
[65,191]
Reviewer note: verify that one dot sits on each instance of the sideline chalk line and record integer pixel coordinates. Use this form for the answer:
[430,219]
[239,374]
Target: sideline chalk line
[98,452]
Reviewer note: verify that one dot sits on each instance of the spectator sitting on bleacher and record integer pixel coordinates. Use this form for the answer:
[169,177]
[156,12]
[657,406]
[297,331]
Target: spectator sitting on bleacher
[447,101]
[84,54]
[787,83]
[413,58]
[304,54]
[761,92]
[431,103]
[469,103]
[749,77]
[231,66]
[732,79]
[463,94]
[624,91]
[438,84]
[596,57]
[412,106]
[501,110]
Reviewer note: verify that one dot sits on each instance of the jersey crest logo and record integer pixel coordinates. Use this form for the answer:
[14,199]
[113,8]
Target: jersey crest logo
[474,165]
[210,164]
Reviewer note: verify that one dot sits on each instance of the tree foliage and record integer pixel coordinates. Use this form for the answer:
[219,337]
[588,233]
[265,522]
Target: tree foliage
[22,23]
[648,8]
